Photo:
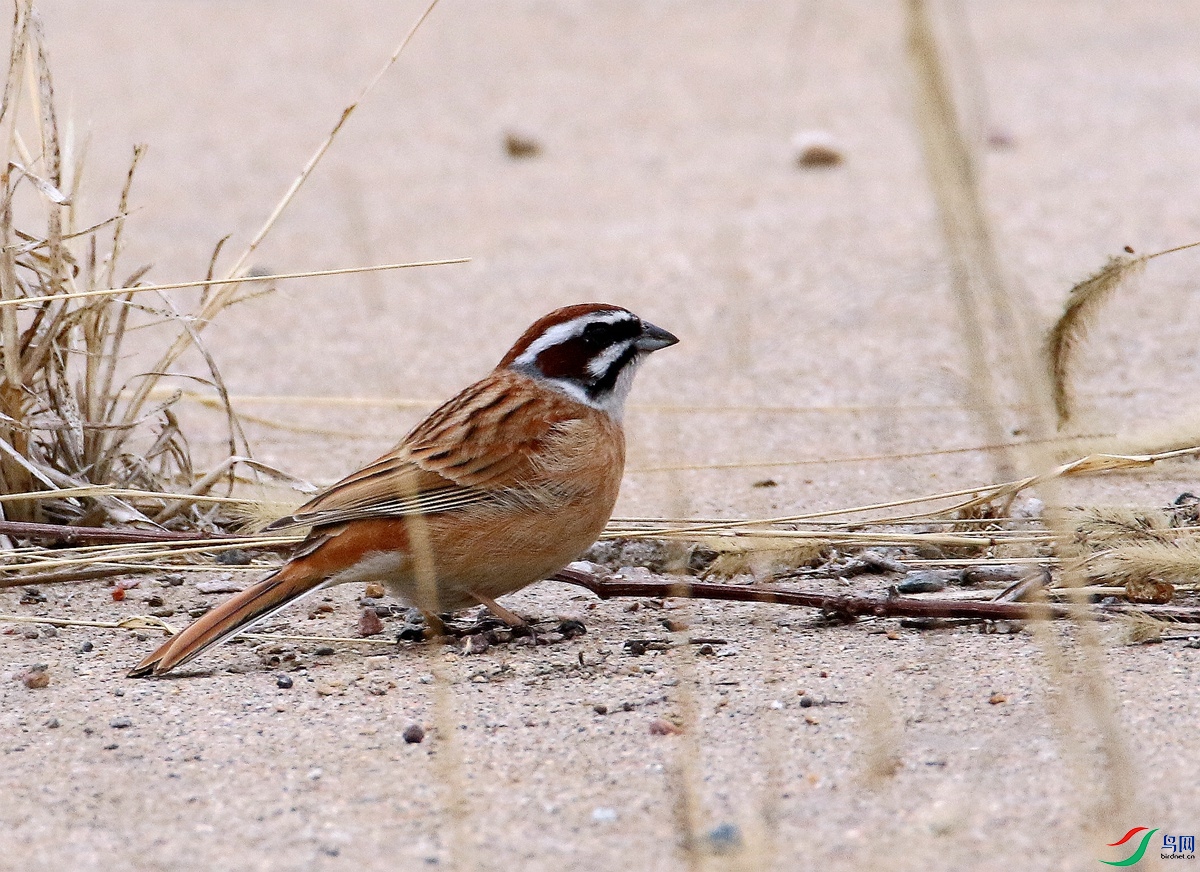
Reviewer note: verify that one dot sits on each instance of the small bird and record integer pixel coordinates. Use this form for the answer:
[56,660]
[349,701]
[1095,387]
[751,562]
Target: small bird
[498,488]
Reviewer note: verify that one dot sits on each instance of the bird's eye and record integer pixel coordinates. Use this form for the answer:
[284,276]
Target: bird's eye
[597,333]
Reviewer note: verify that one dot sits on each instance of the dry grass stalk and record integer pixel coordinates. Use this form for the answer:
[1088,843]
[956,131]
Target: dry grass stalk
[882,737]
[223,293]
[208,282]
[1083,306]
[991,329]
[990,314]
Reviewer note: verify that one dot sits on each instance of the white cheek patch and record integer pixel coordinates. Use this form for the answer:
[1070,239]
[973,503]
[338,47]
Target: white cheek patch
[599,365]
[613,402]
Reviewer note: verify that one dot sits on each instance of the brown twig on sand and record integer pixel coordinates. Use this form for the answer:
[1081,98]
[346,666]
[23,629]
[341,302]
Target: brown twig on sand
[849,606]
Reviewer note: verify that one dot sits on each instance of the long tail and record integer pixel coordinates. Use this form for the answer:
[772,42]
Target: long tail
[238,613]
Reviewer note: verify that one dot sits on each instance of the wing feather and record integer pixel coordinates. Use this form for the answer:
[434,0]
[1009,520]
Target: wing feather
[477,448]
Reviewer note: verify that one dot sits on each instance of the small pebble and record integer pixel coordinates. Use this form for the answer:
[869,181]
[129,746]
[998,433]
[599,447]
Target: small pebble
[220,585]
[414,734]
[925,581]
[705,650]
[324,651]
[724,839]
[121,723]
[675,625]
[374,591]
[816,148]
[315,773]
[112,746]
[550,638]
[571,628]
[600,709]
[604,815]
[31,596]
[172,580]
[476,644]
[411,632]
[1000,139]
[1149,590]
[807,702]
[765,482]
[369,623]
[283,682]
[52,724]
[30,633]
[234,557]
[998,698]
[660,727]
[872,562]
[521,145]
[36,676]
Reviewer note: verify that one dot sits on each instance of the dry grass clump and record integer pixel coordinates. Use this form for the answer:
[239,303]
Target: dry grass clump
[1106,526]
[1140,563]
[66,416]
[763,559]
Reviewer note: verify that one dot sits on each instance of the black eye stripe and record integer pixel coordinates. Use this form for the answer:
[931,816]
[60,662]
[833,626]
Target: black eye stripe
[604,333]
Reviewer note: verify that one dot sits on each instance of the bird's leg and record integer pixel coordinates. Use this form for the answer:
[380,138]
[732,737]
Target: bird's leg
[435,625]
[499,611]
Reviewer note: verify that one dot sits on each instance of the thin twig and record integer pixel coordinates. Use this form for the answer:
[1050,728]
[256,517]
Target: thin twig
[850,606]
[200,283]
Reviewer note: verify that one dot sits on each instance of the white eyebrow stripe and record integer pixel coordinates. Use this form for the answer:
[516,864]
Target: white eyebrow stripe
[560,333]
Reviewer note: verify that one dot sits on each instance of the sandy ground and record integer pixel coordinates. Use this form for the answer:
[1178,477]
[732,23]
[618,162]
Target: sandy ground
[819,298]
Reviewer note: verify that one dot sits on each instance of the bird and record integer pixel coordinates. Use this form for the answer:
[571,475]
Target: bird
[499,487]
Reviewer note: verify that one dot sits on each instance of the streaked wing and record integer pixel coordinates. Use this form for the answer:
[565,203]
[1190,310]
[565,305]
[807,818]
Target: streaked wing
[475,449]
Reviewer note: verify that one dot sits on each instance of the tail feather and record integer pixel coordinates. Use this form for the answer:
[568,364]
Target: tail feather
[233,616]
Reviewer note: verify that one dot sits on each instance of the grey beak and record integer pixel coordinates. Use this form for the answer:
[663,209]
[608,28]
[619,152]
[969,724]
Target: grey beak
[653,338]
